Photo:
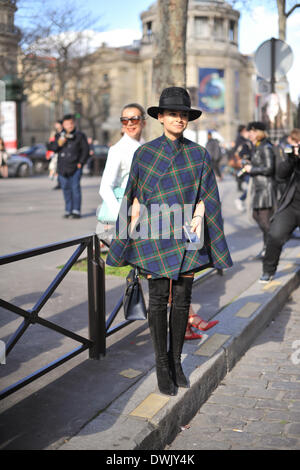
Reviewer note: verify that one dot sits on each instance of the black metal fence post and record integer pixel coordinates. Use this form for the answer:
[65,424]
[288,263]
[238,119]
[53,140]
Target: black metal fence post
[99,289]
[96,295]
[32,315]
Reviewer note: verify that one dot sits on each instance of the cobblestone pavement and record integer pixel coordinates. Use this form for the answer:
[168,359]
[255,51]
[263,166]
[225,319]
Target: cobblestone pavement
[257,405]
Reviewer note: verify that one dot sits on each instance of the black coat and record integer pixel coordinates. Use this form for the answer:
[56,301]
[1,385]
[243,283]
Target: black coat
[74,151]
[263,176]
[243,147]
[213,148]
[288,172]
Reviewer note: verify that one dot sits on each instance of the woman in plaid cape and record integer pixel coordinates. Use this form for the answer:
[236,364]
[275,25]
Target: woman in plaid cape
[171,181]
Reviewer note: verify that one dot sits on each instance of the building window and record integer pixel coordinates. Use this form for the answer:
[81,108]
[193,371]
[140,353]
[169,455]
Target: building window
[231,30]
[106,104]
[66,107]
[218,30]
[149,32]
[201,27]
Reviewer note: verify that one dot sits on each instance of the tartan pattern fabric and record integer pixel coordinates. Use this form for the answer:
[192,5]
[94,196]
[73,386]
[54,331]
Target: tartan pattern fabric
[177,175]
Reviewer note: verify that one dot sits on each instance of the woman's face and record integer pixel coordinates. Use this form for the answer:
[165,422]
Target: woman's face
[132,127]
[174,122]
[252,136]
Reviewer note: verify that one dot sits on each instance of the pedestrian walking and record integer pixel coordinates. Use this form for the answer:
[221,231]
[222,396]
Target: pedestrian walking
[242,155]
[3,159]
[73,150]
[262,176]
[118,163]
[287,216]
[174,175]
[90,162]
[117,167]
[214,150]
[52,155]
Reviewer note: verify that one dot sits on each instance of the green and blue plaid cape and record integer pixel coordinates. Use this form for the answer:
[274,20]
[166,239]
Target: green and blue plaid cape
[176,175]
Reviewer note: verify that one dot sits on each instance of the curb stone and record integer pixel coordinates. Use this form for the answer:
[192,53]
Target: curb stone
[206,363]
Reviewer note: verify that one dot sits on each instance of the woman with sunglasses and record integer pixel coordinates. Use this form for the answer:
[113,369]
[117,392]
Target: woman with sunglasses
[120,156]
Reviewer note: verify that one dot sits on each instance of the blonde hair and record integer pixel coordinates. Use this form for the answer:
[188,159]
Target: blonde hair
[295,134]
[261,134]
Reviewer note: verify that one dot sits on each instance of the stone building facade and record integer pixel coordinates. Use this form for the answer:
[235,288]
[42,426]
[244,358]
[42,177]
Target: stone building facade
[9,38]
[220,79]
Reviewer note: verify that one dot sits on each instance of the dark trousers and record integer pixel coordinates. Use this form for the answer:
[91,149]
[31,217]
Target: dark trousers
[216,168]
[72,191]
[281,229]
[262,218]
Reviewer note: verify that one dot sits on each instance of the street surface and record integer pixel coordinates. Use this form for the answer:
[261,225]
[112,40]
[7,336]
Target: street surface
[257,405]
[31,216]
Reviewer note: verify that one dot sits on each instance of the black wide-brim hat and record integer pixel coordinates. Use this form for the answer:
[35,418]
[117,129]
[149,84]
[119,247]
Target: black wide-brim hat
[175,99]
[256,125]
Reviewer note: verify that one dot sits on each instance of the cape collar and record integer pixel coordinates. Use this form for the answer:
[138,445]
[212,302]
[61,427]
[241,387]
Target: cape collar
[174,144]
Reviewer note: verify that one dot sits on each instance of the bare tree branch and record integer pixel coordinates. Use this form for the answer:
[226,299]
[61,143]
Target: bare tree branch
[292,9]
[56,51]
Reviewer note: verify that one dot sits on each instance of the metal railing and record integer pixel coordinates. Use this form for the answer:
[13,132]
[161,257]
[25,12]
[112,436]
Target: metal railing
[96,305]
[99,327]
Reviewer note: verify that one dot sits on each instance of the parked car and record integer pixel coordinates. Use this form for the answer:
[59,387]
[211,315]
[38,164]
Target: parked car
[19,166]
[37,154]
[96,163]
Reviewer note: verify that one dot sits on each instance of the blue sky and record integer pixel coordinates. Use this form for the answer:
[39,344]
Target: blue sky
[120,22]
[119,13]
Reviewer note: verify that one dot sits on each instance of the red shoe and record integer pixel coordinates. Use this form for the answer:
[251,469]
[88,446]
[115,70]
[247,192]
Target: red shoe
[202,324]
[189,334]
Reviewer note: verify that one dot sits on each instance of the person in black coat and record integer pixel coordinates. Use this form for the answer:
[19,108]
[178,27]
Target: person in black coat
[262,173]
[73,150]
[214,150]
[242,153]
[287,216]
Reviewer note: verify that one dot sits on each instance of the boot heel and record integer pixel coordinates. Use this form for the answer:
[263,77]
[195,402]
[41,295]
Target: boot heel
[164,380]
[178,376]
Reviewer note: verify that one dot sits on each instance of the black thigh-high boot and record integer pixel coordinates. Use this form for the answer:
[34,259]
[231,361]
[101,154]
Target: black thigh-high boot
[181,300]
[158,325]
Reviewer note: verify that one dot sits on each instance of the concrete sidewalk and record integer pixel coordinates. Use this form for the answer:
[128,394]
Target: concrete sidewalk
[257,405]
[114,403]
[142,418]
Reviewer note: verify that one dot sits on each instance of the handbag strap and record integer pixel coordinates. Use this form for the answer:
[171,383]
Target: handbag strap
[134,281]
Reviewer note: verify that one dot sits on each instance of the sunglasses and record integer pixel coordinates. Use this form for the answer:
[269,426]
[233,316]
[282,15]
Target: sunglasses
[133,120]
